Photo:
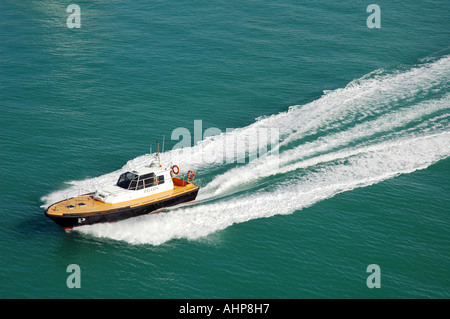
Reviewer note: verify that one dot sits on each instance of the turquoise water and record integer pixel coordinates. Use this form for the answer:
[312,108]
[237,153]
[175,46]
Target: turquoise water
[362,156]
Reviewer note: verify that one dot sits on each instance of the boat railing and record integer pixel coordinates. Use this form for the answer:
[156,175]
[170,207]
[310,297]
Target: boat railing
[74,196]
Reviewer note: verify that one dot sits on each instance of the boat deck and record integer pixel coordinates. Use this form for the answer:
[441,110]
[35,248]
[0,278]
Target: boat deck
[87,204]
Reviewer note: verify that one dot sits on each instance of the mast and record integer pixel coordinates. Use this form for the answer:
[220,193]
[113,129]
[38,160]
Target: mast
[157,153]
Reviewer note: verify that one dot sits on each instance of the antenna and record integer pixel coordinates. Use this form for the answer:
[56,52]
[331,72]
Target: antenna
[157,153]
[163,142]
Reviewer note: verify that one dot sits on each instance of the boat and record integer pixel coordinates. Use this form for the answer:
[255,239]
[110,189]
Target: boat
[137,192]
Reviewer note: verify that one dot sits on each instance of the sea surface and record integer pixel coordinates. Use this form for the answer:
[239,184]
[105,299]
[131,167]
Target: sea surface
[351,167]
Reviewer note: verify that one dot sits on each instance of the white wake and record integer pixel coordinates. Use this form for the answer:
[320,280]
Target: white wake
[377,127]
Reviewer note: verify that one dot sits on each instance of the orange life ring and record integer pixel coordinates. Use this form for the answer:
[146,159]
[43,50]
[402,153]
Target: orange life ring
[190,175]
[175,169]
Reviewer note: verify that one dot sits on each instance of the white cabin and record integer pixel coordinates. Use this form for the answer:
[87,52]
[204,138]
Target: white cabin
[147,181]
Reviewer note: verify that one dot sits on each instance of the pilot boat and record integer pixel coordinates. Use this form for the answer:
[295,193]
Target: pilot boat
[137,192]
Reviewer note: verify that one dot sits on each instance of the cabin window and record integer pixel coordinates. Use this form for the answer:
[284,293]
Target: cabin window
[126,180]
[148,179]
[132,185]
[149,182]
[149,175]
[132,181]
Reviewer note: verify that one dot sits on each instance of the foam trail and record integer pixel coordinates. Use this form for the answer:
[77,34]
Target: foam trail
[364,169]
[375,128]
[261,167]
[373,94]
[361,98]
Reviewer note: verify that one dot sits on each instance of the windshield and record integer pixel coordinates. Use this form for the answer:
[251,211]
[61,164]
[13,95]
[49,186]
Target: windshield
[125,180]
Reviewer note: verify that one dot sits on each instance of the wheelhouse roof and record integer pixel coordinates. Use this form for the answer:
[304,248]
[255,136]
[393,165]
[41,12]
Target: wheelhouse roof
[149,169]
